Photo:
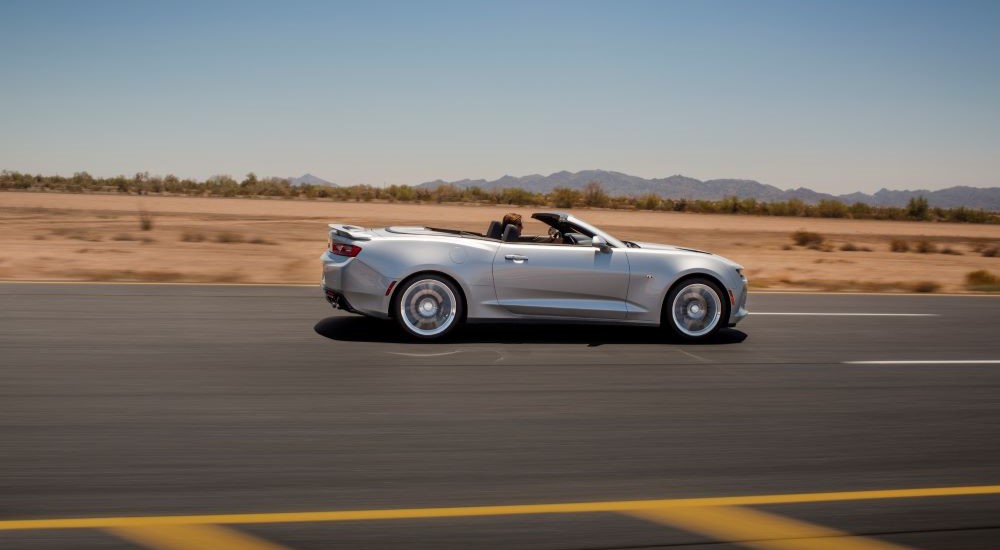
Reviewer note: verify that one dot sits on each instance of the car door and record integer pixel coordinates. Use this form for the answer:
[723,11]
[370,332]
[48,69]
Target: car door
[558,280]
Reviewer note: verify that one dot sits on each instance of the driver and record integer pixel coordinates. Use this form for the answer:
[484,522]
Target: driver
[513,218]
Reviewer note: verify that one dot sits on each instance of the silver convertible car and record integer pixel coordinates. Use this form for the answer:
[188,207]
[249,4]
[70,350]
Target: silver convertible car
[431,279]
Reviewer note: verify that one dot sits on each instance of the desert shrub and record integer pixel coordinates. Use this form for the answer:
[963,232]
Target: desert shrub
[147,240]
[849,247]
[123,237]
[564,197]
[594,195]
[649,201]
[925,286]
[899,245]
[925,247]
[982,280]
[830,208]
[991,252]
[918,208]
[807,238]
[192,237]
[787,247]
[145,220]
[260,240]
[229,237]
[950,251]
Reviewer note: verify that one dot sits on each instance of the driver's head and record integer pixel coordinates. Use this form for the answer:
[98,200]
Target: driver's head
[512,219]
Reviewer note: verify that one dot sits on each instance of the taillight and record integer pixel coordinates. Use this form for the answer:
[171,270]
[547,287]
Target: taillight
[348,250]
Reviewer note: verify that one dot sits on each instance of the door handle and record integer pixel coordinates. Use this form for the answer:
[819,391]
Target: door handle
[516,257]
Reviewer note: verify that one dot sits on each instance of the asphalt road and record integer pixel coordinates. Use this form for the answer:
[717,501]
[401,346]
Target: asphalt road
[139,400]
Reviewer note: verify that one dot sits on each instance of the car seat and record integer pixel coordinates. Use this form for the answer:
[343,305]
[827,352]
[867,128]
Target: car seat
[511,233]
[495,231]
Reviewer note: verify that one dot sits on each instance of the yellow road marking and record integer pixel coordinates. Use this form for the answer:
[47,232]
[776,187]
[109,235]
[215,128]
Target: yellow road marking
[758,529]
[501,510]
[191,537]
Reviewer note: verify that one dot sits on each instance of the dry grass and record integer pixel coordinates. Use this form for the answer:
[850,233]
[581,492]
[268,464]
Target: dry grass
[152,276]
[145,220]
[229,237]
[128,275]
[807,238]
[925,247]
[983,281]
[899,245]
[925,286]
[193,237]
[299,228]
[852,285]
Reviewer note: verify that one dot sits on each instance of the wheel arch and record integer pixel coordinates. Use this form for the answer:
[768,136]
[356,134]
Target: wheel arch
[726,306]
[398,289]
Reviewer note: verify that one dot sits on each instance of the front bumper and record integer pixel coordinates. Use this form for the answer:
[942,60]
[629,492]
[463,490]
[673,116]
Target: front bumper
[740,311]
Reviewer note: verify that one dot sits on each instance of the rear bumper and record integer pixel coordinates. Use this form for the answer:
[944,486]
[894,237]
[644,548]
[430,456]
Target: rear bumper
[352,285]
[338,300]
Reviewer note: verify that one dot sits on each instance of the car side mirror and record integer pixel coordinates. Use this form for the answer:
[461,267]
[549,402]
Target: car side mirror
[599,243]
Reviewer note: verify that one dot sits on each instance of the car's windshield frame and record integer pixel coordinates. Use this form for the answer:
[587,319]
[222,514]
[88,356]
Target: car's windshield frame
[554,219]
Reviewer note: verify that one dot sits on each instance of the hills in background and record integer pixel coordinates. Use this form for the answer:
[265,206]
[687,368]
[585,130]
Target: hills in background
[309,179]
[682,187]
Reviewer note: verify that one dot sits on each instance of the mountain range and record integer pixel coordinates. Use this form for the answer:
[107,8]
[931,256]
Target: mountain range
[683,187]
[309,179]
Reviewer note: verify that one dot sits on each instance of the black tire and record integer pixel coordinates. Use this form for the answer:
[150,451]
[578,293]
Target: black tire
[428,306]
[695,309]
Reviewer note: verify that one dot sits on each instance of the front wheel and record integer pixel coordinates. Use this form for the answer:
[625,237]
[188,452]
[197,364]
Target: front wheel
[428,306]
[695,309]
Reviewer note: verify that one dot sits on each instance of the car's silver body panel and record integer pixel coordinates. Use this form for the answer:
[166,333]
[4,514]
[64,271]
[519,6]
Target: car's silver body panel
[524,280]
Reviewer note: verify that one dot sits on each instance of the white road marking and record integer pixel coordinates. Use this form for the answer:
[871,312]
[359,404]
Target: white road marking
[426,354]
[929,362]
[693,356]
[815,314]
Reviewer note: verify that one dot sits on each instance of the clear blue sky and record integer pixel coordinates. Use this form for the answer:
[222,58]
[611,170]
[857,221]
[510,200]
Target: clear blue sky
[839,96]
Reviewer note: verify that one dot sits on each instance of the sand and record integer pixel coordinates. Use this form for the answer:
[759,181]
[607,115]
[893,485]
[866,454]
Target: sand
[54,236]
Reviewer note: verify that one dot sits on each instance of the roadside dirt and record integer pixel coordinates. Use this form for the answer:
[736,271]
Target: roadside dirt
[49,236]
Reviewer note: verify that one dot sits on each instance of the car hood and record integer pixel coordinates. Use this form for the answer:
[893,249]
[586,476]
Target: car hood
[656,246]
[672,248]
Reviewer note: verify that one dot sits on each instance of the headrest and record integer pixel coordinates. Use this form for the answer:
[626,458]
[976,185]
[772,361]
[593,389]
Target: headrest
[495,231]
[511,233]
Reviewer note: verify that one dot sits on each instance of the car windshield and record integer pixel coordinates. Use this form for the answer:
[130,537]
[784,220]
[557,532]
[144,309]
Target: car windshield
[567,224]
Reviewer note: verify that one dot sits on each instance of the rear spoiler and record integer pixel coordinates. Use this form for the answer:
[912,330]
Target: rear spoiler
[352,232]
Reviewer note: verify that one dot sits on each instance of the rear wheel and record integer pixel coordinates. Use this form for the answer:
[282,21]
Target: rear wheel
[695,309]
[428,306]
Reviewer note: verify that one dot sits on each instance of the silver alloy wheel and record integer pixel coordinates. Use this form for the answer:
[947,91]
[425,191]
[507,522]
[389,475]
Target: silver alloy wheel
[696,310]
[428,307]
